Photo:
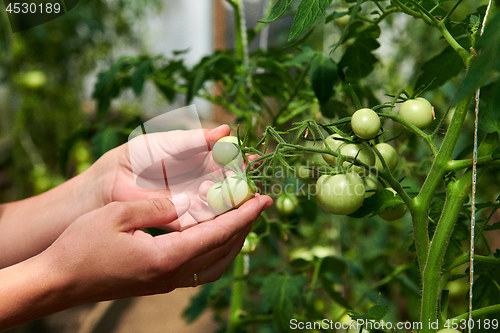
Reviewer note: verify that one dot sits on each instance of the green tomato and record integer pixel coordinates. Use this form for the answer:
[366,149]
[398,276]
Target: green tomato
[333,143]
[315,158]
[226,152]
[395,212]
[371,185]
[364,154]
[287,204]
[418,112]
[448,330]
[34,79]
[215,201]
[340,194]
[236,190]
[251,242]
[389,154]
[365,123]
[303,172]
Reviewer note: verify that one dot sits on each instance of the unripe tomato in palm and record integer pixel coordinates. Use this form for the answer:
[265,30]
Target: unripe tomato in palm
[418,112]
[365,123]
[287,204]
[215,201]
[395,212]
[236,190]
[227,152]
[389,154]
[340,194]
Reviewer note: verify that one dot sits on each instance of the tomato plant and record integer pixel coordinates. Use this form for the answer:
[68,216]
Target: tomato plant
[295,107]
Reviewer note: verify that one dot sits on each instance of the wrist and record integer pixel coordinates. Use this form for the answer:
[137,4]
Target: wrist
[30,290]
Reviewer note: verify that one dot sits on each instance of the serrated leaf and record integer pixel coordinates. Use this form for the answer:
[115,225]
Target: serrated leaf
[434,74]
[282,296]
[277,11]
[358,60]
[307,14]
[324,75]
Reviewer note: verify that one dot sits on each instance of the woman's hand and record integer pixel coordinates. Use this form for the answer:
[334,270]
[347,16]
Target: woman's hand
[105,255]
[139,161]
[29,226]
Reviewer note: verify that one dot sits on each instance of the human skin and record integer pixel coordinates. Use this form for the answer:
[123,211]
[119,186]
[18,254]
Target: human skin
[29,226]
[83,240]
[105,255]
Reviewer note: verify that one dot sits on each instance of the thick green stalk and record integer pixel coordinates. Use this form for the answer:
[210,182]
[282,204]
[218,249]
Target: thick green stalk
[236,294]
[422,201]
[457,194]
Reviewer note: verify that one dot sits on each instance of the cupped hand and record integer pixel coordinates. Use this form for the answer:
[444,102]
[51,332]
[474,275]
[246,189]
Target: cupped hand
[104,254]
[119,168]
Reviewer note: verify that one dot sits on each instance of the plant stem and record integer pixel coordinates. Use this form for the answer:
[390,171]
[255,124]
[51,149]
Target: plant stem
[236,294]
[479,312]
[427,138]
[422,201]
[457,193]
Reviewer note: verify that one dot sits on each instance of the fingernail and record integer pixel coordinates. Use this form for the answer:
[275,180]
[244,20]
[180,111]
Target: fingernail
[181,203]
[213,130]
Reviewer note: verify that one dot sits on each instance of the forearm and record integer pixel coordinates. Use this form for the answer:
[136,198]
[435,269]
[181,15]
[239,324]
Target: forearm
[29,226]
[30,290]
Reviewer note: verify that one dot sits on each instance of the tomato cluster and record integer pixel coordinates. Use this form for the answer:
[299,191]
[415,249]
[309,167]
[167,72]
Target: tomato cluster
[235,189]
[356,156]
[352,164]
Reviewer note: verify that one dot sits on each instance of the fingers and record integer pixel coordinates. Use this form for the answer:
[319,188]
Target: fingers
[210,235]
[147,150]
[147,213]
[213,135]
[211,266]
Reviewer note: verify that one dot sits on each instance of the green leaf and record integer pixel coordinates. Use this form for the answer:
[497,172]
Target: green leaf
[277,11]
[324,75]
[140,74]
[358,60]
[486,63]
[434,74]
[376,312]
[307,14]
[282,296]
[377,203]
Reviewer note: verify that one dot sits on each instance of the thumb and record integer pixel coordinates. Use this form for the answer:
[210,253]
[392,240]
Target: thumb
[150,213]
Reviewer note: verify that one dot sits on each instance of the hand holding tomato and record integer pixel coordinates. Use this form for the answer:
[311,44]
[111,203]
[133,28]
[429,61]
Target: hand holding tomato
[105,255]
